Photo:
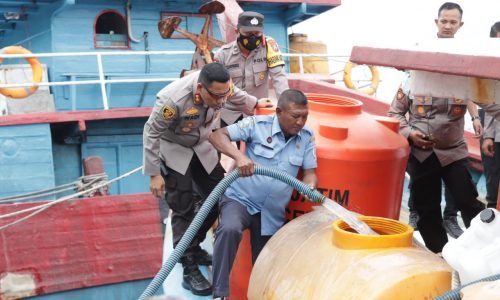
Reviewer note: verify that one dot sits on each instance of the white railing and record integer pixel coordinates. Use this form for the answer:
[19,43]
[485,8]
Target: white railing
[102,77]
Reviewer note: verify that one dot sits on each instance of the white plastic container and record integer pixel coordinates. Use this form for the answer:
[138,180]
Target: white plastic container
[476,253]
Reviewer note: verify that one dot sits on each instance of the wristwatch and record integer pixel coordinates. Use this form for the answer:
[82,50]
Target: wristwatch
[475,118]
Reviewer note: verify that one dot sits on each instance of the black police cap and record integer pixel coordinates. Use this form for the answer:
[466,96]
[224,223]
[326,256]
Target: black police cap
[251,21]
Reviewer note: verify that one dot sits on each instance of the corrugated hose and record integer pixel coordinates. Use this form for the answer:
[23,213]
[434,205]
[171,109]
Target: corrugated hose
[455,293]
[211,200]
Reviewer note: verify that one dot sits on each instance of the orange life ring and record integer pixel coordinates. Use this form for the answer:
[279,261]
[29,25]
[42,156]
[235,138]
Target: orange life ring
[368,90]
[36,68]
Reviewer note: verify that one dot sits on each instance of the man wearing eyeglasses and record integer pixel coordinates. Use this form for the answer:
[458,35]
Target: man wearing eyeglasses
[177,153]
[251,60]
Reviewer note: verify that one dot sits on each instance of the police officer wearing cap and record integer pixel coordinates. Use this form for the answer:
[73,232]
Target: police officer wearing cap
[251,59]
[258,202]
[177,153]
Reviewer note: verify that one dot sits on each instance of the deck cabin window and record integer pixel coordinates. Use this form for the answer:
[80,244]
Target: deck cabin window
[110,30]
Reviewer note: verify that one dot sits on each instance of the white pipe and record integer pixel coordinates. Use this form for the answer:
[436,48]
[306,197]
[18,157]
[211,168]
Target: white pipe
[103,83]
[115,53]
[301,65]
[83,82]
[129,24]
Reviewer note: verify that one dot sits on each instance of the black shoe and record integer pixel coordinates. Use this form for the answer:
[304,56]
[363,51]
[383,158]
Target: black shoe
[491,205]
[202,257]
[413,219]
[194,281]
[452,228]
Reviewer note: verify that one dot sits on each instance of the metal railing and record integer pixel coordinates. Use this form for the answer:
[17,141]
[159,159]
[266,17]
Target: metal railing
[102,77]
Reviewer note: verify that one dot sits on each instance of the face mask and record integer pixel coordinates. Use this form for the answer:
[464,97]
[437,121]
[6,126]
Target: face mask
[250,42]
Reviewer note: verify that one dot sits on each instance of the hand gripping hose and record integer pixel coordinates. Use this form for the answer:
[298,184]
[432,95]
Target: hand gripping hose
[211,200]
[455,293]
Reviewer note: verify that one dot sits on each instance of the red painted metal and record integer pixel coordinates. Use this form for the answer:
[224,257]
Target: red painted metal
[377,107]
[84,242]
[75,116]
[446,63]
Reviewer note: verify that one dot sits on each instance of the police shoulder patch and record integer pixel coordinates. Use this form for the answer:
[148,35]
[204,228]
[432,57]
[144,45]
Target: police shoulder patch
[168,112]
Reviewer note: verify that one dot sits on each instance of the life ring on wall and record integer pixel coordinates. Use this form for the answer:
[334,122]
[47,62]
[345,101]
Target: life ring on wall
[368,90]
[36,69]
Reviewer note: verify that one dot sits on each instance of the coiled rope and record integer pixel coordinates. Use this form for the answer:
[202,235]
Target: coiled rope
[211,200]
[40,208]
[83,183]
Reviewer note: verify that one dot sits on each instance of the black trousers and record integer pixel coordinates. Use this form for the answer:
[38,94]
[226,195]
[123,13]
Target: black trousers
[426,189]
[179,196]
[233,220]
[491,167]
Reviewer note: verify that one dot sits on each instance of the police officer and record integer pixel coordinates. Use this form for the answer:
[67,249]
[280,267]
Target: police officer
[177,153]
[258,202]
[448,22]
[435,131]
[251,59]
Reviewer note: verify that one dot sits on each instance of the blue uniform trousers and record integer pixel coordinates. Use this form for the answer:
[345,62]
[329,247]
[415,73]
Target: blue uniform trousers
[233,220]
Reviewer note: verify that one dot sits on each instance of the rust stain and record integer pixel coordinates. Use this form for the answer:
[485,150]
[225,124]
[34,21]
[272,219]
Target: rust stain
[481,88]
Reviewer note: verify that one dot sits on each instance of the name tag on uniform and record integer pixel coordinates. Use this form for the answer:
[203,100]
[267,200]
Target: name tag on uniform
[194,117]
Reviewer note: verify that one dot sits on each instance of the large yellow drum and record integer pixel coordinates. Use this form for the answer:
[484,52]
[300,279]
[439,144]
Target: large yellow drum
[310,258]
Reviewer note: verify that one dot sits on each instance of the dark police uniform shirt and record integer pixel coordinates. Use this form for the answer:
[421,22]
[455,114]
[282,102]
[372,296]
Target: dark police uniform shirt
[442,118]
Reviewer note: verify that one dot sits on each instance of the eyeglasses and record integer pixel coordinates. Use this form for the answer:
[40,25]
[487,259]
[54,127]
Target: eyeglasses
[218,95]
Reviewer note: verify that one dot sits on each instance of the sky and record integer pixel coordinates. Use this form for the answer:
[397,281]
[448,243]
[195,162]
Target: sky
[379,22]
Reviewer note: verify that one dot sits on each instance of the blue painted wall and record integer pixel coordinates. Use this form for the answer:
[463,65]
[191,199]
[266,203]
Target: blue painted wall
[77,20]
[63,27]
[26,163]
[68,27]
[119,143]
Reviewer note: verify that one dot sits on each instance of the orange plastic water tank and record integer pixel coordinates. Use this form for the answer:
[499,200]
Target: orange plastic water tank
[361,158]
[361,165]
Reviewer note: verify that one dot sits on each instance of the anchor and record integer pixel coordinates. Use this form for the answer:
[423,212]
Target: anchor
[204,42]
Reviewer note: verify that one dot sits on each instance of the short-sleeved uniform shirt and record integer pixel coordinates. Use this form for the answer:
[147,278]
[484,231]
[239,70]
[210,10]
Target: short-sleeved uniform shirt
[266,146]
[251,73]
